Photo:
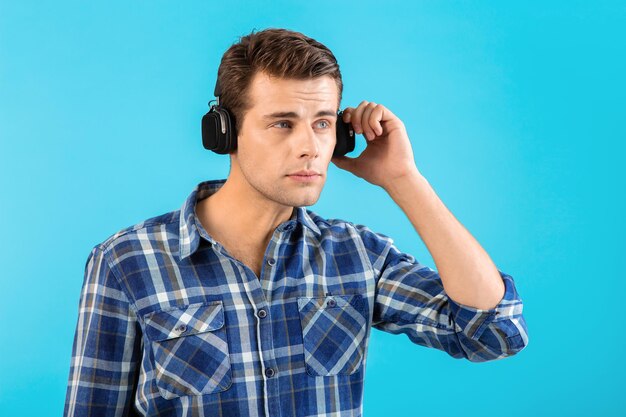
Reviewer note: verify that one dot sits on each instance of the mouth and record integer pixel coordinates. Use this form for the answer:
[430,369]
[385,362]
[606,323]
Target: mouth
[305,173]
[304,177]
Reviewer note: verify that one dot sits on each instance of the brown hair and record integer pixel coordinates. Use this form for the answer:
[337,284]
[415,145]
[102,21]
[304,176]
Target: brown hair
[277,52]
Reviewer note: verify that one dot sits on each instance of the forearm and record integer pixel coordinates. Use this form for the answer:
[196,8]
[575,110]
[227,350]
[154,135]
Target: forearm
[468,274]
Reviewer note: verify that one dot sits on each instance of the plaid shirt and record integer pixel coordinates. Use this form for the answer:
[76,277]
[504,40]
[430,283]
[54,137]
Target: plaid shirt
[170,324]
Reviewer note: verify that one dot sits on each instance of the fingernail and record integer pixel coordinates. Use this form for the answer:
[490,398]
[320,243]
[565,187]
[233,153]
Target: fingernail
[347,117]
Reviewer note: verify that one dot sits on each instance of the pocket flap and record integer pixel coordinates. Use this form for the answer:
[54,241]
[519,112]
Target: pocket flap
[184,321]
[331,301]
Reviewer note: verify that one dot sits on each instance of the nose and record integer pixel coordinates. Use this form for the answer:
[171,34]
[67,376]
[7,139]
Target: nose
[308,143]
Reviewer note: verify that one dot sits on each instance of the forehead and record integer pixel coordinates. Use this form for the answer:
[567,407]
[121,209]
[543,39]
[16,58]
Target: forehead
[270,92]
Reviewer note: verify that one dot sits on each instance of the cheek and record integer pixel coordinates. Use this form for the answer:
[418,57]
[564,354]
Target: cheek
[250,148]
[329,147]
[263,158]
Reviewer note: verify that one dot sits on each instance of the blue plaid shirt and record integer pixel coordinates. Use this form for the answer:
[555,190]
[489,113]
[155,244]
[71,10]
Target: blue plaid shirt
[170,324]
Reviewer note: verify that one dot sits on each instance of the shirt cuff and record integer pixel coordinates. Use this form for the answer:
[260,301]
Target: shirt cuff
[473,321]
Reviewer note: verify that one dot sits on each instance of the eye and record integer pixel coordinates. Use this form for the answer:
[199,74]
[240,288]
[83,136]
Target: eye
[281,122]
[326,122]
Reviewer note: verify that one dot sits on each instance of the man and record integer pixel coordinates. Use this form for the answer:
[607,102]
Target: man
[243,302]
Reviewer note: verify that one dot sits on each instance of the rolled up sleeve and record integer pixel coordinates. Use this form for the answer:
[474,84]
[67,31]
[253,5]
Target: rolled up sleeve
[410,299]
[495,333]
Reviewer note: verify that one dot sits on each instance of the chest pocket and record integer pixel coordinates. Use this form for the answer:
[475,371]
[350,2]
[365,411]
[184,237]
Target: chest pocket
[334,330]
[190,349]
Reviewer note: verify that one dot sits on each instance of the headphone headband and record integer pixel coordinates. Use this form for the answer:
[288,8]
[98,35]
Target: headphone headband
[217,91]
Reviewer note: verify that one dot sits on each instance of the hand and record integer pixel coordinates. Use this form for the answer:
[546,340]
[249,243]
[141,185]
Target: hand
[388,155]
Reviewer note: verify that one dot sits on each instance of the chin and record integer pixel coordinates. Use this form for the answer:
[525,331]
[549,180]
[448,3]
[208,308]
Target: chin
[308,200]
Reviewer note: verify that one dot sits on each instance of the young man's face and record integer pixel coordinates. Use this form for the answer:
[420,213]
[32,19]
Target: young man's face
[290,127]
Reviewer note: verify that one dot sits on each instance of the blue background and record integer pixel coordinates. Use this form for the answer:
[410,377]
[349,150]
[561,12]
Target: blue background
[516,117]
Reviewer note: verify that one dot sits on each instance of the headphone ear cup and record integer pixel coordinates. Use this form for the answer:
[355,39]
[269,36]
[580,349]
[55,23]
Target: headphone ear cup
[230,137]
[345,137]
[218,133]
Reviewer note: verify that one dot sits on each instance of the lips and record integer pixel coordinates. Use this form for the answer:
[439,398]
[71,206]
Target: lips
[305,173]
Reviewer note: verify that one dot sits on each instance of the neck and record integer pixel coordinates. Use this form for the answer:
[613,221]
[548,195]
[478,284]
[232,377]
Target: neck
[238,212]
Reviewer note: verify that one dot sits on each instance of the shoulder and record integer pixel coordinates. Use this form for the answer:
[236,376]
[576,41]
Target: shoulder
[150,230]
[341,229]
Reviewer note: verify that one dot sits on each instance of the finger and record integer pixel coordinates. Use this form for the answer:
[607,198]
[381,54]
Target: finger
[347,114]
[367,128]
[357,123]
[375,119]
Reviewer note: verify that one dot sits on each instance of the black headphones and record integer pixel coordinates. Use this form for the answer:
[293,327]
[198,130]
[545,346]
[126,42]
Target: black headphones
[219,134]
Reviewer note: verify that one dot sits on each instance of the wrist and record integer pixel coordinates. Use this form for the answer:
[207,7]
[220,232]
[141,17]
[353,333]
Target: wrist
[410,180]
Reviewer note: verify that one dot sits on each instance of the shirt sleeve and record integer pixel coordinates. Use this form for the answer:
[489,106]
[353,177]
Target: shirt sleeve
[106,347]
[410,299]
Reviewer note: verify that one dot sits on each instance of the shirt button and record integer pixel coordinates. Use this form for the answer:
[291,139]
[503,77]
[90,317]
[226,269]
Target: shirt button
[331,303]
[271,261]
[269,372]
[262,313]
[181,329]
[289,227]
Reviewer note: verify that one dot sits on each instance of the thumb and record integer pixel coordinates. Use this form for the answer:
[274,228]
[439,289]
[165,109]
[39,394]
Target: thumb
[344,162]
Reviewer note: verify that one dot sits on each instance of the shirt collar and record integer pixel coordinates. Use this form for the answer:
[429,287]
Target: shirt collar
[189,236]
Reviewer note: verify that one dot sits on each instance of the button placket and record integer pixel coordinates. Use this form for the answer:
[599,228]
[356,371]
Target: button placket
[264,326]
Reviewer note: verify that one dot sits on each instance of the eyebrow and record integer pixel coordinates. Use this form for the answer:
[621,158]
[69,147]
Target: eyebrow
[294,115]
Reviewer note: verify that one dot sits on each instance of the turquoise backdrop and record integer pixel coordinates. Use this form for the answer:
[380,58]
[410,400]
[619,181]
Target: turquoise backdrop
[516,113]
